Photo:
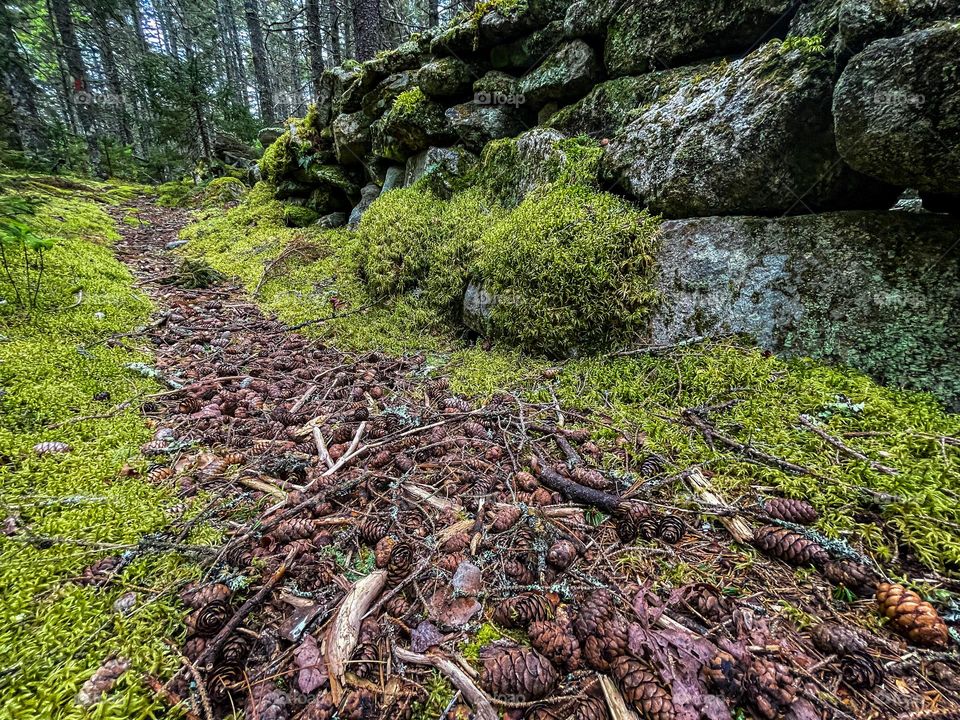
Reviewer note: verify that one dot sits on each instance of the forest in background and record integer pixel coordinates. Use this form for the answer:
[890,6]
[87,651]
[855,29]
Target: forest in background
[154,89]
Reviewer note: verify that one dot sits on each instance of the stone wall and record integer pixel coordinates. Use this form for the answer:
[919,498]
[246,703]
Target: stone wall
[774,136]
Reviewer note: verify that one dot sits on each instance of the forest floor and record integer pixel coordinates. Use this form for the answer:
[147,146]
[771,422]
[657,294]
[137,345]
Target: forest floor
[394,549]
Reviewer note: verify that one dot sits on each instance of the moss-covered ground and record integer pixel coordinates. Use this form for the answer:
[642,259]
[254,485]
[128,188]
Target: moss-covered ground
[55,633]
[393,284]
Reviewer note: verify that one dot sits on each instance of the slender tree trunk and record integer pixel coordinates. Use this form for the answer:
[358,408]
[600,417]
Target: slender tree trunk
[19,87]
[238,55]
[66,90]
[333,32]
[295,96]
[433,13]
[112,73]
[366,28]
[315,44]
[261,69]
[63,16]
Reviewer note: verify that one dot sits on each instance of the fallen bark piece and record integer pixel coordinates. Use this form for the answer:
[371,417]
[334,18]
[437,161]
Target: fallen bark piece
[341,638]
[471,693]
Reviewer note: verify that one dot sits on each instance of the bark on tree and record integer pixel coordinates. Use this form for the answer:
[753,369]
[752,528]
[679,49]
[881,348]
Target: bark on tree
[19,87]
[433,13]
[112,73]
[261,69]
[315,43]
[333,32]
[237,52]
[63,16]
[366,28]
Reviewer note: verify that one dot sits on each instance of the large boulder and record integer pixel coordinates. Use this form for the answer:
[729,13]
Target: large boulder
[446,77]
[376,102]
[351,137]
[413,124]
[477,124]
[888,306]
[752,136]
[646,34]
[610,105]
[897,110]
[568,73]
[590,18]
[512,168]
[440,168]
[523,54]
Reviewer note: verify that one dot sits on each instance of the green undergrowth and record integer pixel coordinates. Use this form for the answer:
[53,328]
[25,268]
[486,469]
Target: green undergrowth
[211,193]
[55,633]
[570,266]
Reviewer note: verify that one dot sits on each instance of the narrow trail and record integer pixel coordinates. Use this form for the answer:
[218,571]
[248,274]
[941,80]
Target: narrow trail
[376,524]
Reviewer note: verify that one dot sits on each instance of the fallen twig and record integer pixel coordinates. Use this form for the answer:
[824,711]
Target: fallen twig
[808,423]
[482,707]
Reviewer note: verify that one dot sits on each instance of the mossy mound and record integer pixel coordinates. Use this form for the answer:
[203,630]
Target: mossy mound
[53,633]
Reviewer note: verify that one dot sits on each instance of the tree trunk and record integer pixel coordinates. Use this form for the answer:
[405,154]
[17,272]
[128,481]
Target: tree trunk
[366,28]
[19,87]
[294,79]
[237,52]
[315,45]
[433,13]
[112,73]
[63,16]
[261,69]
[333,32]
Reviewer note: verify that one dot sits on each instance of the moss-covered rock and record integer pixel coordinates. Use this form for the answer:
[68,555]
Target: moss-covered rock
[897,110]
[751,136]
[442,170]
[522,55]
[221,191]
[664,33]
[445,78]
[412,124]
[496,83]
[569,268]
[351,137]
[569,72]
[297,216]
[880,308]
[476,124]
[376,102]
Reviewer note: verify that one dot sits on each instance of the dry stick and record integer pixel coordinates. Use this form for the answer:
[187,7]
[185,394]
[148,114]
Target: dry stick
[576,492]
[737,526]
[201,690]
[471,693]
[808,423]
[303,399]
[213,647]
[389,595]
[321,444]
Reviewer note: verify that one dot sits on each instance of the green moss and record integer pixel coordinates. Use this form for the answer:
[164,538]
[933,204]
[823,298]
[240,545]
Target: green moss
[297,216]
[220,191]
[486,634]
[504,7]
[440,694]
[53,633]
[808,45]
[174,194]
[279,159]
[408,102]
[569,268]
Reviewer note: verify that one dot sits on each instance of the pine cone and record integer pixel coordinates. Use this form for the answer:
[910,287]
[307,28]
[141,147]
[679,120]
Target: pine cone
[224,681]
[197,596]
[514,672]
[365,660]
[267,702]
[398,606]
[207,621]
[320,708]
[234,650]
[372,530]
[707,601]
[451,562]
[602,630]
[771,687]
[789,546]
[506,518]
[831,639]
[590,478]
[193,648]
[724,674]
[99,573]
[642,689]
[590,708]
[519,571]
[671,529]
[53,447]
[400,563]
[795,511]
[856,577]
[293,529]
[860,671]
[521,610]
[554,639]
[382,550]
[562,554]
[652,464]
[911,616]
[359,704]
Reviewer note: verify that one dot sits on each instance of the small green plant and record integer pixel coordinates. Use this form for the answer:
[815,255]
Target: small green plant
[22,250]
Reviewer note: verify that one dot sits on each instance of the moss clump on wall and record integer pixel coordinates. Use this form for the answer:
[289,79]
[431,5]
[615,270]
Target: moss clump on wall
[54,633]
[569,268]
[279,159]
[296,216]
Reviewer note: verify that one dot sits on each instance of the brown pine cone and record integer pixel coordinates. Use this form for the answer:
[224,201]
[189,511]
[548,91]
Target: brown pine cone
[382,550]
[234,650]
[359,704]
[796,511]
[99,573]
[451,562]
[858,578]
[293,529]
[590,708]
[267,702]
[911,616]
[789,546]
[860,671]
[832,639]
[400,563]
[562,554]
[398,606]
[514,672]
[195,596]
[590,478]
[671,529]
[771,687]
[707,601]
[207,621]
[194,647]
[506,518]
[724,675]
[372,530]
[652,464]
[521,610]
[224,681]
[554,639]
[366,659]
[518,571]
[642,689]
[602,630]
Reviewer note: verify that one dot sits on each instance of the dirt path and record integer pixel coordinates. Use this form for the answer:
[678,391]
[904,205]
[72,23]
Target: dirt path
[395,521]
